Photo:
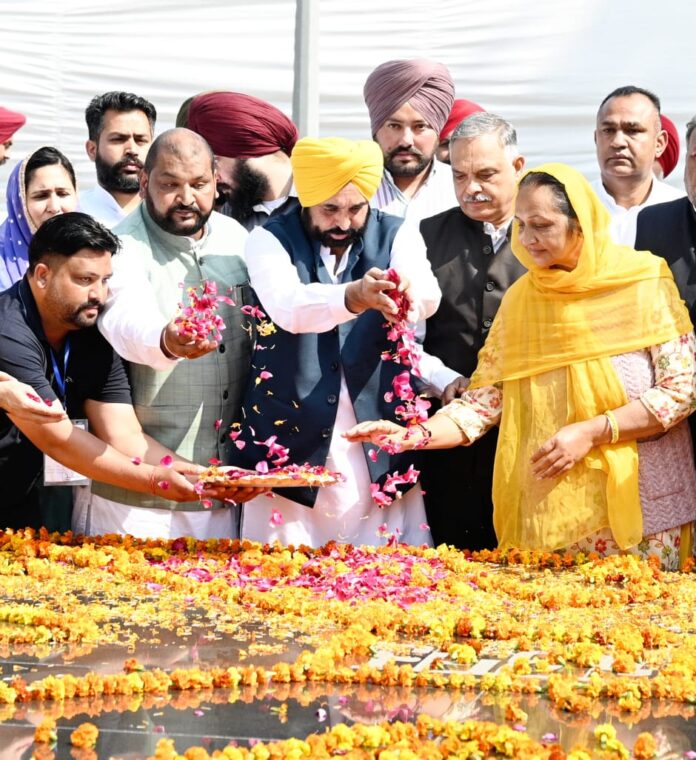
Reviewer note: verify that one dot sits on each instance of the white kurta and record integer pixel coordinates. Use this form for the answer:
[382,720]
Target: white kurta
[344,512]
[624,220]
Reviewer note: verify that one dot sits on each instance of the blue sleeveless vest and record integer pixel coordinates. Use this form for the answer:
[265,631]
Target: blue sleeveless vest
[307,367]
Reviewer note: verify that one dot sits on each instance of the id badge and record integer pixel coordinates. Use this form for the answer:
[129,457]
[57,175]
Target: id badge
[56,474]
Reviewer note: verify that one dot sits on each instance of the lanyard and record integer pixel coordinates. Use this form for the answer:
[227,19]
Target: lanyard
[57,374]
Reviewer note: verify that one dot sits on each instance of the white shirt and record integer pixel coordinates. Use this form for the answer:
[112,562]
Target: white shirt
[436,194]
[623,220]
[102,206]
[435,374]
[343,512]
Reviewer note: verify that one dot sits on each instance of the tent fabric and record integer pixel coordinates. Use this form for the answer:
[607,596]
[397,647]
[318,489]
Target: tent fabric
[545,66]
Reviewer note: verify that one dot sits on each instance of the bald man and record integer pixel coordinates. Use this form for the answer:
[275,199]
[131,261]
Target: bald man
[175,240]
[318,272]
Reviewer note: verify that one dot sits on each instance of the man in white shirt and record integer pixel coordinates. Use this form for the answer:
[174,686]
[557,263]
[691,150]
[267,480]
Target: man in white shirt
[319,274]
[121,127]
[409,102]
[629,138]
[252,141]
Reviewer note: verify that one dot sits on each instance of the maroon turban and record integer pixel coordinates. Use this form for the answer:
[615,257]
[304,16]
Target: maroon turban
[460,110]
[10,122]
[670,155]
[425,85]
[241,126]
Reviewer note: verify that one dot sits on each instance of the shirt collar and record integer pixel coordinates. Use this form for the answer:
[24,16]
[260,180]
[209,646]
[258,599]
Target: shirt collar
[432,171]
[497,234]
[181,243]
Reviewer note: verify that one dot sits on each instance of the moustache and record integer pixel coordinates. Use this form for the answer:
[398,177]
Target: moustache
[477,198]
[405,149]
[119,165]
[92,304]
[180,207]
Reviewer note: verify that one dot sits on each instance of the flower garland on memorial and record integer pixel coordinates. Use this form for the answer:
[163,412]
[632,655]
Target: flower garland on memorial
[630,626]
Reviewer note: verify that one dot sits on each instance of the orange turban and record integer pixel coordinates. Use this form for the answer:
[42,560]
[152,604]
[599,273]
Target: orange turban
[323,166]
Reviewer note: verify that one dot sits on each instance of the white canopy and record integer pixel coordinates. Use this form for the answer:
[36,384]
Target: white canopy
[544,65]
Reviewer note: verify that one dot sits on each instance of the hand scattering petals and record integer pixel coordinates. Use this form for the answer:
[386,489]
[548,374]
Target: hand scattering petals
[199,320]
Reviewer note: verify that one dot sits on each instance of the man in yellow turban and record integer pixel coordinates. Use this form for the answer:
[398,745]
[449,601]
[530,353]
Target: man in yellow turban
[319,275]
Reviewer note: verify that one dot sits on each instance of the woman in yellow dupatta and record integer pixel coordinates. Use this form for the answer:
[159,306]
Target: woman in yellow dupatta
[591,352]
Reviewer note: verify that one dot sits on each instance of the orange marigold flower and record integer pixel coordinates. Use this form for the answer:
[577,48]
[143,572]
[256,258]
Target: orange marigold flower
[85,736]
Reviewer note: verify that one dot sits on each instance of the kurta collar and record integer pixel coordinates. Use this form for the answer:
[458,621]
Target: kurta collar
[179,243]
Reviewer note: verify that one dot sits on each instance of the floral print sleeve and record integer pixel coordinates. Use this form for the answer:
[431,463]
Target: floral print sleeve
[476,412]
[673,397]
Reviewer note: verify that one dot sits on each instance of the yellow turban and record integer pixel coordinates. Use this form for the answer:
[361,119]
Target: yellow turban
[322,167]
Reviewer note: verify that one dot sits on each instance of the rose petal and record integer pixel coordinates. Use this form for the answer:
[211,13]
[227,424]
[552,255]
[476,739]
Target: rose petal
[137,460]
[167,460]
[163,484]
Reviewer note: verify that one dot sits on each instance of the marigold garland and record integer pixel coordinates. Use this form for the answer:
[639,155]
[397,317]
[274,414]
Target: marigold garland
[616,629]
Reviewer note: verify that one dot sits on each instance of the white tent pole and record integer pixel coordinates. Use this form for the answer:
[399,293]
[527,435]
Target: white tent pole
[305,98]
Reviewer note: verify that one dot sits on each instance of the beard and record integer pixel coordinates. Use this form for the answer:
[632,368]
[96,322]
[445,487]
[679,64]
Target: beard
[111,178]
[78,318]
[250,188]
[326,237]
[406,170]
[168,222]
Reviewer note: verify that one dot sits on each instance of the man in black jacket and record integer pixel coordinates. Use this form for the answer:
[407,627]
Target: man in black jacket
[669,229]
[469,250]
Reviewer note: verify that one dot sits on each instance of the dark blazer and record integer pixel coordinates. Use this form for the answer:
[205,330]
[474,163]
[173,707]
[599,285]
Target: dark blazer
[458,483]
[473,281]
[669,230]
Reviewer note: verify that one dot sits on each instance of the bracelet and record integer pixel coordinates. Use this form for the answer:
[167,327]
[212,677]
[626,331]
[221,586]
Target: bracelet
[613,424]
[164,347]
[427,434]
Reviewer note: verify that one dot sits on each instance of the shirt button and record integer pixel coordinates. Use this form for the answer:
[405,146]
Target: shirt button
[487,249]
[335,330]
[334,366]
[225,395]
[221,348]
[331,398]
[487,323]
[326,433]
[490,286]
[201,260]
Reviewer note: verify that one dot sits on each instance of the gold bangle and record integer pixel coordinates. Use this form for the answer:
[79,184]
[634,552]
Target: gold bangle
[614,425]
